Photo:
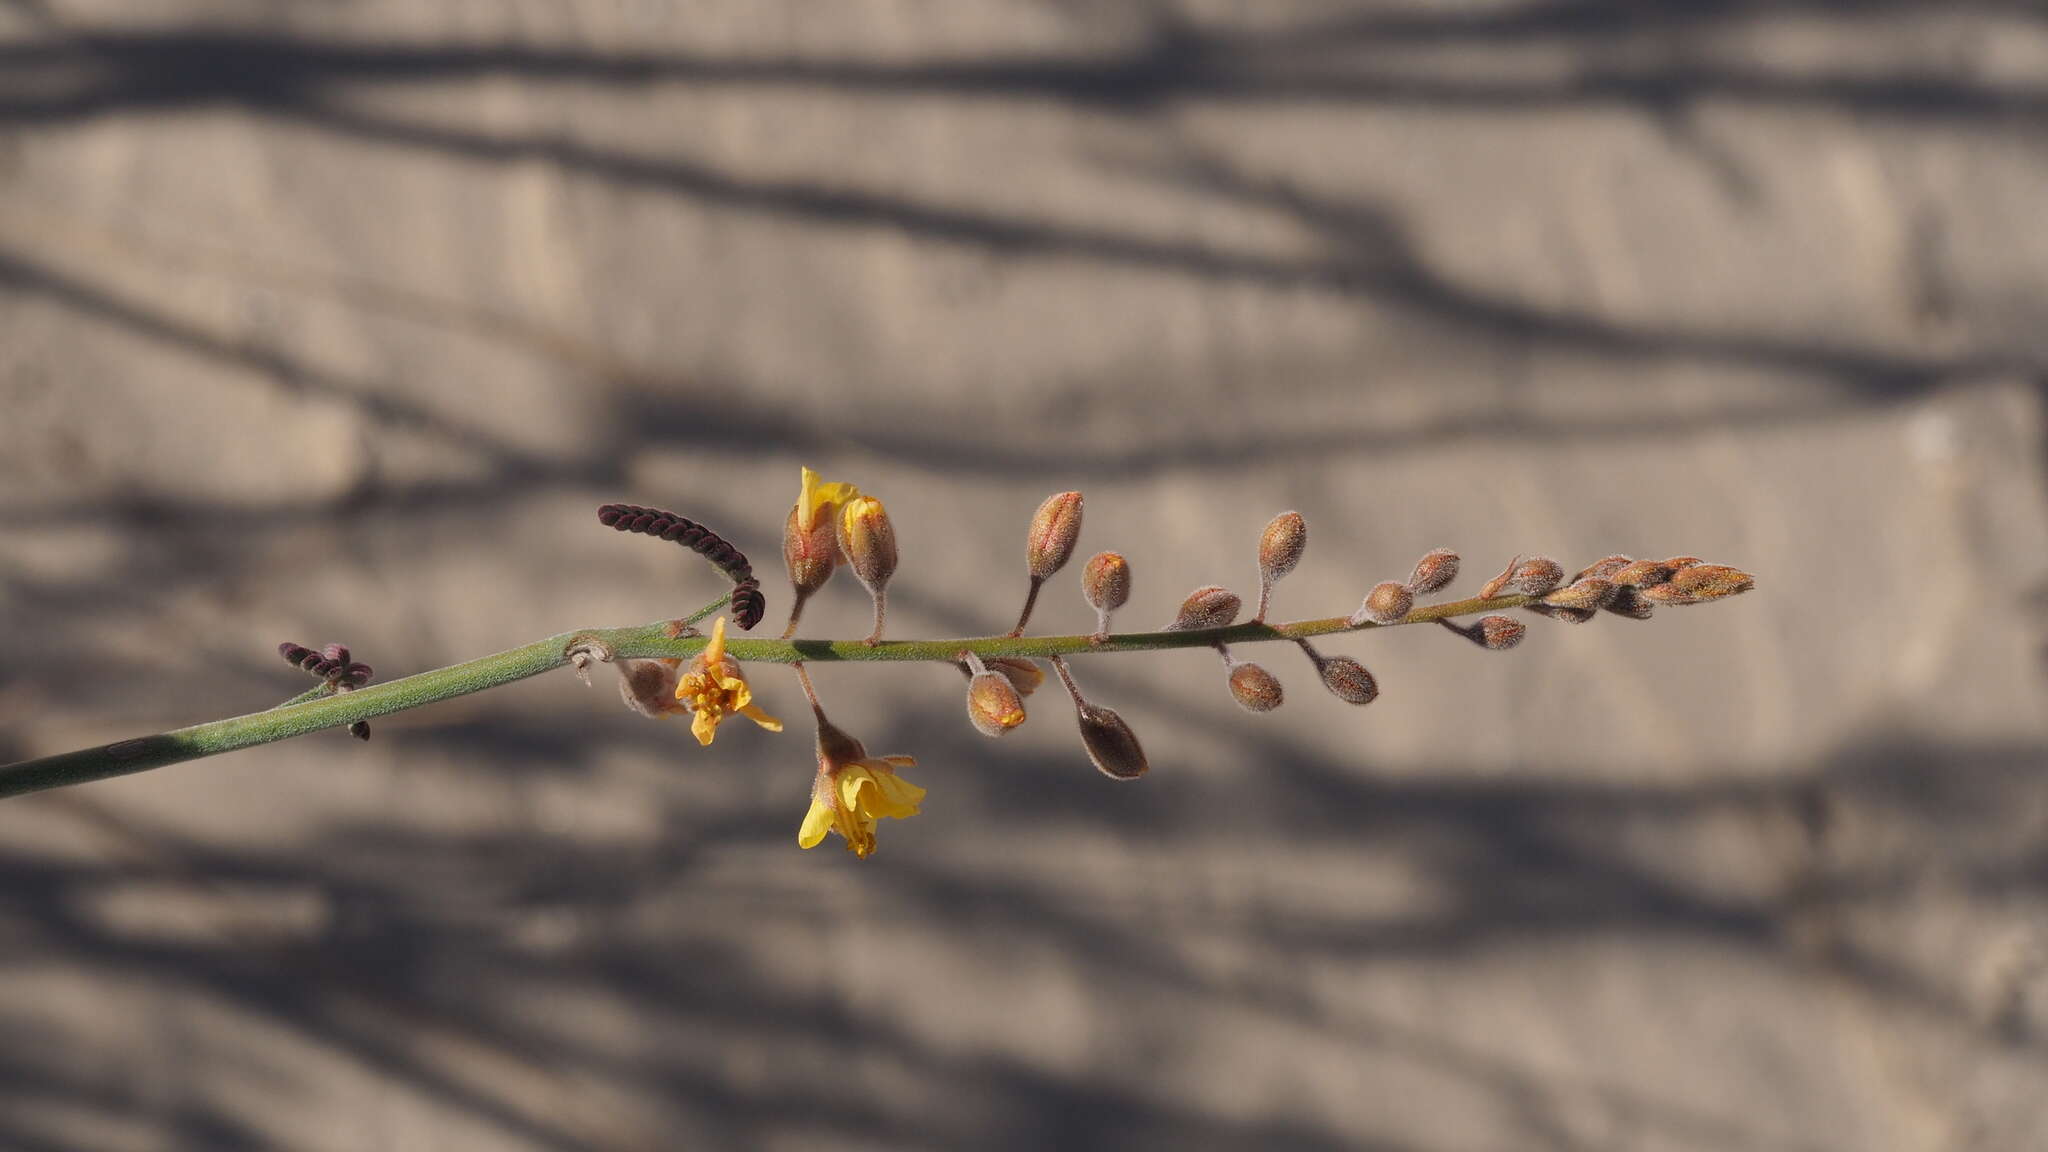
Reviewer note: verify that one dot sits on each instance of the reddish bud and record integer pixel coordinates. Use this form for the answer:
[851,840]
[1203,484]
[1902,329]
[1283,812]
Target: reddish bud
[1348,680]
[1604,568]
[867,540]
[1498,633]
[1054,529]
[1642,574]
[1629,602]
[1590,595]
[1387,603]
[1210,606]
[1711,581]
[1256,689]
[1281,546]
[1106,581]
[1526,576]
[810,556]
[1437,568]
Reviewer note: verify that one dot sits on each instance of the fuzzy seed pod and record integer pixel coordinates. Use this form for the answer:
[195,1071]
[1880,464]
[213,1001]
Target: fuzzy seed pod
[1387,603]
[1590,595]
[809,555]
[1348,680]
[1281,546]
[993,703]
[1711,581]
[1054,529]
[1106,581]
[1437,568]
[1498,633]
[1112,747]
[1604,568]
[1210,606]
[1256,689]
[868,541]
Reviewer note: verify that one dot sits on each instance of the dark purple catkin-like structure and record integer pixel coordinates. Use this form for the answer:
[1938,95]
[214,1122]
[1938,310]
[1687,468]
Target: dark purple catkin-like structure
[748,605]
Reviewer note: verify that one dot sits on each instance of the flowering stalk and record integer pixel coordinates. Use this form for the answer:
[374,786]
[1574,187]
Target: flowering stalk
[655,640]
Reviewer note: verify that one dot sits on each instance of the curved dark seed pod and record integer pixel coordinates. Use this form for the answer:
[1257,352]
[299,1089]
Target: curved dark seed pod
[748,605]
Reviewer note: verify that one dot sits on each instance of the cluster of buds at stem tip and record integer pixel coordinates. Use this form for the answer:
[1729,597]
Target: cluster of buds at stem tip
[1048,545]
[334,667]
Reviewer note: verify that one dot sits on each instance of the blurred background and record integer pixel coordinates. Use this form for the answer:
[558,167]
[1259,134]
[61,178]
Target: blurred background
[335,320]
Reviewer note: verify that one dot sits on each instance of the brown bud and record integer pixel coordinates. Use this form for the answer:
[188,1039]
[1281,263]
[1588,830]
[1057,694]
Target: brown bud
[1112,746]
[1498,633]
[1629,602]
[993,703]
[810,556]
[868,540]
[1604,568]
[1641,574]
[1438,567]
[1054,528]
[1210,606]
[1677,562]
[1526,576]
[1348,680]
[649,686]
[1711,581]
[1385,604]
[1256,689]
[1024,675]
[1106,581]
[1281,545]
[1667,593]
[1568,615]
[1590,594]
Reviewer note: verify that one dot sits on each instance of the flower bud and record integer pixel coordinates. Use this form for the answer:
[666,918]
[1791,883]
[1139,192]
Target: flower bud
[1677,562]
[868,540]
[1256,689]
[1498,633]
[1604,568]
[1106,581]
[1641,574]
[1024,675]
[1568,615]
[1437,568]
[1054,529]
[810,555]
[1711,581]
[1526,576]
[1112,746]
[1666,593]
[1589,595]
[1281,545]
[1210,606]
[1348,680]
[1387,603]
[993,704]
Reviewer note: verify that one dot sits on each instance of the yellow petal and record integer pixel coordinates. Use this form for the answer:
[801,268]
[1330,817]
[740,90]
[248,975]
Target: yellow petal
[818,496]
[817,822]
[715,651]
[753,712]
[705,725]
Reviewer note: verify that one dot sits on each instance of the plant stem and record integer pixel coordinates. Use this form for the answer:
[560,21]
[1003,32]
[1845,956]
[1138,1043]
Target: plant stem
[648,640]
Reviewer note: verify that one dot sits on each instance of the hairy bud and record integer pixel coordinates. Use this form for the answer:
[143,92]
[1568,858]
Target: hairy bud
[1387,603]
[1589,595]
[1281,545]
[1054,528]
[1498,633]
[1641,574]
[1568,615]
[1210,606]
[649,686]
[1256,689]
[1106,581]
[993,703]
[1112,746]
[809,555]
[1629,602]
[1024,675]
[1437,568]
[1711,581]
[868,540]
[1604,568]
[1348,680]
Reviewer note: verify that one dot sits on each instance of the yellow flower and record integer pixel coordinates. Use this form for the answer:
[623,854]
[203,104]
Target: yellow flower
[714,688]
[818,496]
[853,791]
[851,801]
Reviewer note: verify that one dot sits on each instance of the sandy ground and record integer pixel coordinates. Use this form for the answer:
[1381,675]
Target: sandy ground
[335,320]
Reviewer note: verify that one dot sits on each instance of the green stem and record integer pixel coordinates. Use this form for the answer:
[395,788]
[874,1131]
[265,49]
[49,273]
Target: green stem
[315,711]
